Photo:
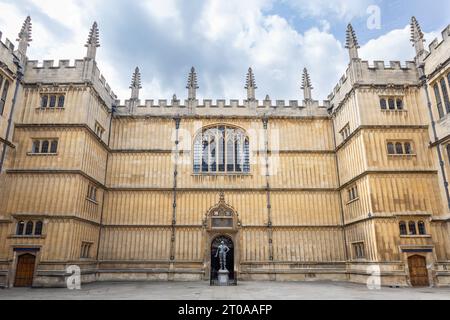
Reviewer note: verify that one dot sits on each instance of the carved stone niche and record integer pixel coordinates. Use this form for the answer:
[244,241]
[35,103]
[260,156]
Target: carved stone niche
[222,217]
[222,220]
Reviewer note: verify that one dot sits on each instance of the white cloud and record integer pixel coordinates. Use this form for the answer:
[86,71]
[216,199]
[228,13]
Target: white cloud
[393,46]
[342,9]
[226,37]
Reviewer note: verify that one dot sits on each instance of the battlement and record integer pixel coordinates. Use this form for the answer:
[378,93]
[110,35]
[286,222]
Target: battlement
[438,52]
[221,107]
[7,55]
[7,43]
[379,73]
[65,71]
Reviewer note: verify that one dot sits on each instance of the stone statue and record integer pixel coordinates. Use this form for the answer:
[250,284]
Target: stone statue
[222,251]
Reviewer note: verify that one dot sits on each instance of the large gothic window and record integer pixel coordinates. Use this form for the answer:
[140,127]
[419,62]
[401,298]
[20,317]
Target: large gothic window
[222,149]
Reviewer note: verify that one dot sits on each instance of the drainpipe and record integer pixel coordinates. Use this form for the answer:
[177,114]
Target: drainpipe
[113,108]
[16,91]
[423,80]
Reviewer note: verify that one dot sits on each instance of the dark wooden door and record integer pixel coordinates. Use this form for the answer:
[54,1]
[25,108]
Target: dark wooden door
[418,271]
[25,270]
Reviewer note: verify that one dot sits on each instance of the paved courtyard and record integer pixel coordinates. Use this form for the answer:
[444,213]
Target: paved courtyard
[245,291]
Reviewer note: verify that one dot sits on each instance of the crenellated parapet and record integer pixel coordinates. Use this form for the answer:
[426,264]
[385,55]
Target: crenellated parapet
[223,108]
[7,56]
[438,55]
[361,73]
[65,72]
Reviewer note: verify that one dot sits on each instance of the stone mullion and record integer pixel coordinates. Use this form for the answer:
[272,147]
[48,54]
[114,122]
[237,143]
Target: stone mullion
[175,175]
[269,205]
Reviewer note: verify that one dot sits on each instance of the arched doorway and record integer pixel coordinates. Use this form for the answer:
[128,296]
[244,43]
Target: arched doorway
[25,270]
[418,272]
[215,261]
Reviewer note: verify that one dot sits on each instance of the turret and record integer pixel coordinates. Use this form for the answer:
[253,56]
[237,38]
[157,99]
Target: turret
[24,38]
[417,38]
[250,85]
[306,86]
[352,43]
[93,42]
[192,85]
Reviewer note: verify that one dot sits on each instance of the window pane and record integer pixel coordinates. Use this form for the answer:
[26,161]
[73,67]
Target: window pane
[403,230]
[20,228]
[412,228]
[54,146]
[398,148]
[445,95]
[399,104]
[205,157]
[197,155]
[448,152]
[230,153]
[36,145]
[3,97]
[391,104]
[383,104]
[221,149]
[38,230]
[61,101]
[408,148]
[422,230]
[29,229]
[212,150]
[247,156]
[391,149]
[52,101]
[44,101]
[45,146]
[438,101]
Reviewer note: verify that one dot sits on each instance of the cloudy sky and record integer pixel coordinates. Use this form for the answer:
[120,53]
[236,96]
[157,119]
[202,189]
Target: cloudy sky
[222,38]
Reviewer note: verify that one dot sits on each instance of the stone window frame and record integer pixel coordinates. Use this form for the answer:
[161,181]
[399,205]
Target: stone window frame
[99,130]
[392,148]
[398,103]
[37,147]
[359,250]
[92,194]
[5,85]
[59,100]
[85,252]
[352,194]
[228,133]
[22,228]
[414,228]
[345,132]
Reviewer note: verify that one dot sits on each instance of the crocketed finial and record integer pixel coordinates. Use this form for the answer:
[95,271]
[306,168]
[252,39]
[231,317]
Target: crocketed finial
[192,84]
[135,84]
[93,42]
[250,85]
[24,37]
[417,38]
[306,85]
[352,42]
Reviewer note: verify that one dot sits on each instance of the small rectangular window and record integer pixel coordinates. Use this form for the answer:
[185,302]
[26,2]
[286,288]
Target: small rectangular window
[359,250]
[61,101]
[445,95]
[3,97]
[353,194]
[345,132]
[52,101]
[438,101]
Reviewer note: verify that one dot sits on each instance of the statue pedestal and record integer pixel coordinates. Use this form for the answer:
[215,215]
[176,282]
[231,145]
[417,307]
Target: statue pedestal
[224,277]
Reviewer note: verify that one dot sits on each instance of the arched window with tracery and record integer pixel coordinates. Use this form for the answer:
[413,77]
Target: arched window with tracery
[222,149]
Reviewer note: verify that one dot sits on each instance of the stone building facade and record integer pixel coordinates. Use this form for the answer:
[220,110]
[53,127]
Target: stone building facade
[352,189]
